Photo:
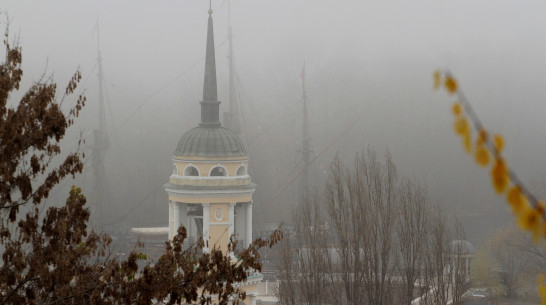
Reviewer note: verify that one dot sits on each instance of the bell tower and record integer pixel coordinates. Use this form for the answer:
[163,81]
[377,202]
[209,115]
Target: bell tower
[210,191]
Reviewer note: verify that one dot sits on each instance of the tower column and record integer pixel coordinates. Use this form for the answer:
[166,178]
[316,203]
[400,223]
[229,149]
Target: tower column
[183,210]
[206,222]
[248,224]
[171,220]
[231,218]
[176,210]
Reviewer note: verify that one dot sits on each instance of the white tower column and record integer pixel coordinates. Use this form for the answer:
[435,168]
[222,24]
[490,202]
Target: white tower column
[231,218]
[252,299]
[171,220]
[183,207]
[248,224]
[206,221]
[176,210]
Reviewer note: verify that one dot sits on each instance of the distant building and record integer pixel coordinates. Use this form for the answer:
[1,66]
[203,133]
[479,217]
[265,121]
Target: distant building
[152,241]
[461,253]
[210,191]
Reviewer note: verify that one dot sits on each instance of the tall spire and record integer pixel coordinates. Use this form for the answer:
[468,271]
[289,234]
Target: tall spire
[210,104]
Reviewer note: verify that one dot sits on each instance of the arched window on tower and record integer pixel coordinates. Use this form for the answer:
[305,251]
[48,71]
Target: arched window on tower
[191,170]
[218,171]
[241,171]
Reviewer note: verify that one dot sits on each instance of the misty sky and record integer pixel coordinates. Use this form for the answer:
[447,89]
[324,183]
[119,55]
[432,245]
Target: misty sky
[369,59]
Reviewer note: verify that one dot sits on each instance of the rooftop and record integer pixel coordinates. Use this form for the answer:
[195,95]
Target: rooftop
[210,142]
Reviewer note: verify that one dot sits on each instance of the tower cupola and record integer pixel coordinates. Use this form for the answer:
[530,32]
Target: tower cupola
[210,139]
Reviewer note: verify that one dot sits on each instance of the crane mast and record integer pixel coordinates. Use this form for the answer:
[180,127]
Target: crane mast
[231,118]
[101,203]
[306,147]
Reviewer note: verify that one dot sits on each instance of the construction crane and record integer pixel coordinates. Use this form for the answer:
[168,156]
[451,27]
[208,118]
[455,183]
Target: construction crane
[231,118]
[101,201]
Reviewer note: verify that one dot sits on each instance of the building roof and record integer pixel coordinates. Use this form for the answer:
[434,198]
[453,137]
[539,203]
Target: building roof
[210,142]
[151,231]
[209,139]
[461,247]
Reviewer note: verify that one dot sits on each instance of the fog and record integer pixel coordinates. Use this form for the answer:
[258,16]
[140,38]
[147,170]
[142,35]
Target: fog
[370,61]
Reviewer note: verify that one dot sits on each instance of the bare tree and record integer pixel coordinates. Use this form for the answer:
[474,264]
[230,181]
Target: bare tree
[306,266]
[510,251]
[533,251]
[287,273]
[507,259]
[412,229]
[382,237]
[380,180]
[361,204]
[445,261]
[435,261]
[458,251]
[312,252]
[484,273]
[349,224]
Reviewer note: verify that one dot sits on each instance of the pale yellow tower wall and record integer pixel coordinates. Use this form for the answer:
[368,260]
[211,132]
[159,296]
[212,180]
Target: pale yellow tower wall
[204,168]
[210,181]
[214,216]
[219,226]
[219,237]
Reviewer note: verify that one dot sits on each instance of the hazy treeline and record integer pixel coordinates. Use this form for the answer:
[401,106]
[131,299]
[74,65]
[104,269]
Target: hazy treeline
[508,263]
[372,238]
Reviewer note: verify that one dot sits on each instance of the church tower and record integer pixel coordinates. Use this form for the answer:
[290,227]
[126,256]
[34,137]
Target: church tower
[210,191]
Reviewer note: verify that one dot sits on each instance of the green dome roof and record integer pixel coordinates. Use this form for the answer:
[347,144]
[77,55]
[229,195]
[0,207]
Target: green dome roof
[210,142]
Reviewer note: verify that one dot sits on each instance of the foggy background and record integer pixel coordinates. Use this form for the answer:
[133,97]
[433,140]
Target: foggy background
[371,60]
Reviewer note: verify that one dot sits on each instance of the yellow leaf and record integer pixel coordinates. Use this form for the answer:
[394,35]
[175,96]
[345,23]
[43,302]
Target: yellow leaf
[516,199]
[540,207]
[461,126]
[437,75]
[500,183]
[482,156]
[499,176]
[529,220]
[456,108]
[541,288]
[451,84]
[499,142]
